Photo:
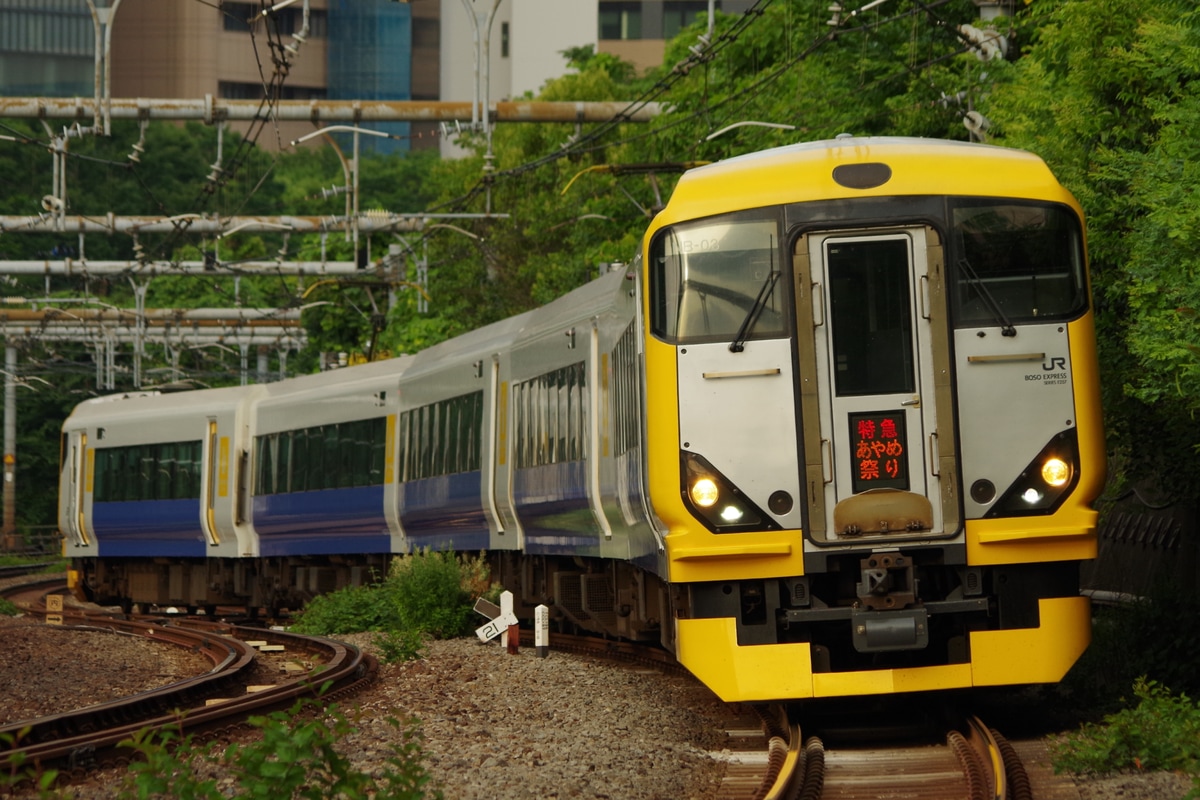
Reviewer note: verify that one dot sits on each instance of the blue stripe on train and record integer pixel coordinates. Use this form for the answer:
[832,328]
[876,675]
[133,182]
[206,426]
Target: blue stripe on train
[322,522]
[148,528]
[444,511]
[552,504]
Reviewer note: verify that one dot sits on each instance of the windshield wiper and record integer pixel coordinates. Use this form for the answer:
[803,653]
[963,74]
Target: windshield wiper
[764,294]
[989,300]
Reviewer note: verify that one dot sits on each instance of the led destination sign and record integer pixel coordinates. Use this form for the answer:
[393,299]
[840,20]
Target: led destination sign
[878,440]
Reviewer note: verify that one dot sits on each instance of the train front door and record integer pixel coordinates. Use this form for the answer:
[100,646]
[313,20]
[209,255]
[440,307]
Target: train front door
[873,306]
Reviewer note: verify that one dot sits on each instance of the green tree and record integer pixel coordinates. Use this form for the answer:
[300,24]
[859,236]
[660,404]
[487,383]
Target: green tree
[1106,91]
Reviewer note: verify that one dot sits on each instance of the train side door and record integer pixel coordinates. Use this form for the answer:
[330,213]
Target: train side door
[72,483]
[878,347]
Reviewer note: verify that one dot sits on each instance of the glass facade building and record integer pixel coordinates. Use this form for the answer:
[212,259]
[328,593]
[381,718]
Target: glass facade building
[369,46]
[47,48]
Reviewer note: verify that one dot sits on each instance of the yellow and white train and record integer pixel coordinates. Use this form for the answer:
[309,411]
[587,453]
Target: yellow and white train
[836,431]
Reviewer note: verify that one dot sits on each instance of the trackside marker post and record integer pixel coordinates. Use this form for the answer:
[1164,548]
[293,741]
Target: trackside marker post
[503,619]
[54,607]
[541,631]
[511,638]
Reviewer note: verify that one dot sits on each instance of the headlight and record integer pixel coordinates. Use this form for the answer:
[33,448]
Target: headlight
[705,492]
[1045,482]
[716,502]
[1055,472]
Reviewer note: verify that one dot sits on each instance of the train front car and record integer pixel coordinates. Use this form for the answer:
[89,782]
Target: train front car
[873,418]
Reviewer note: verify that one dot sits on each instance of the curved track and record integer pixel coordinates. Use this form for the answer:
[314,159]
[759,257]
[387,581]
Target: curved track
[77,740]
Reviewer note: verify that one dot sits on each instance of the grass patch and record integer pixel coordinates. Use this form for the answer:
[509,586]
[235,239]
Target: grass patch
[294,756]
[8,608]
[1150,644]
[1160,732]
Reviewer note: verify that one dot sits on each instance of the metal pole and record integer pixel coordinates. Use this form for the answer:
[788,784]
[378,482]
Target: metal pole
[354,190]
[12,540]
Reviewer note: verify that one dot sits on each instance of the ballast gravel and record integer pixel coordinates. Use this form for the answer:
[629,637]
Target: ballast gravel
[495,726]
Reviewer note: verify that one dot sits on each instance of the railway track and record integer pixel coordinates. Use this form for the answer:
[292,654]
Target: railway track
[973,763]
[766,755]
[76,741]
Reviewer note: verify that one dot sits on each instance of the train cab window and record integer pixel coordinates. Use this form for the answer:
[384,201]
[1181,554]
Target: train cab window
[711,278]
[1016,262]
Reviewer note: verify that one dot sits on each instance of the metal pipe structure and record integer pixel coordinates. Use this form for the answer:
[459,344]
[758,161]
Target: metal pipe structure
[211,110]
[85,267]
[11,537]
[253,317]
[372,222]
[173,335]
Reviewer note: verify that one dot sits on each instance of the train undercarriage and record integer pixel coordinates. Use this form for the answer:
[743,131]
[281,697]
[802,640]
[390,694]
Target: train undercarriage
[602,597]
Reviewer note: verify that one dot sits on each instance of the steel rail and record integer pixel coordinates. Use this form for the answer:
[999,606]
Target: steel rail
[80,740]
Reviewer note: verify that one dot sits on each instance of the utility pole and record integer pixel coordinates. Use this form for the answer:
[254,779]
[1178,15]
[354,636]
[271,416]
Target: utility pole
[12,539]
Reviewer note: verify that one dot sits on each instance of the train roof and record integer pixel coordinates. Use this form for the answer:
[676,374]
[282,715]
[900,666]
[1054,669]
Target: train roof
[477,343]
[137,405]
[383,372]
[588,300]
[591,299]
[804,172]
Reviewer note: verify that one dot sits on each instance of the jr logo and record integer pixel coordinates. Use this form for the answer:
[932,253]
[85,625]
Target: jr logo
[1056,363]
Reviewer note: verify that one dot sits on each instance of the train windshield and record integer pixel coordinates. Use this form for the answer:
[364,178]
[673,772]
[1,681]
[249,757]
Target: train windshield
[717,280]
[1016,262]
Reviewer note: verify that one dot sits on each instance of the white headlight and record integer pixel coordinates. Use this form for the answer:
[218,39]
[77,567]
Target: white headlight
[731,513]
[1031,496]
[704,492]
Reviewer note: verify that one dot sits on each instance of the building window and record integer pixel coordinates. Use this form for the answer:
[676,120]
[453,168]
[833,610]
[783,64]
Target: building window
[236,16]
[426,32]
[231,90]
[504,40]
[620,20]
[679,15]
[242,17]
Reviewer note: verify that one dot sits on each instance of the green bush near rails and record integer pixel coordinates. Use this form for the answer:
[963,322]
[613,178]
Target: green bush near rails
[427,593]
[8,608]
[1162,732]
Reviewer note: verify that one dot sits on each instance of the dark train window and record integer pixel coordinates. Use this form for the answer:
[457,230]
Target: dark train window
[442,438]
[551,417]
[626,394]
[1015,262]
[159,471]
[707,277]
[341,455]
[871,316]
